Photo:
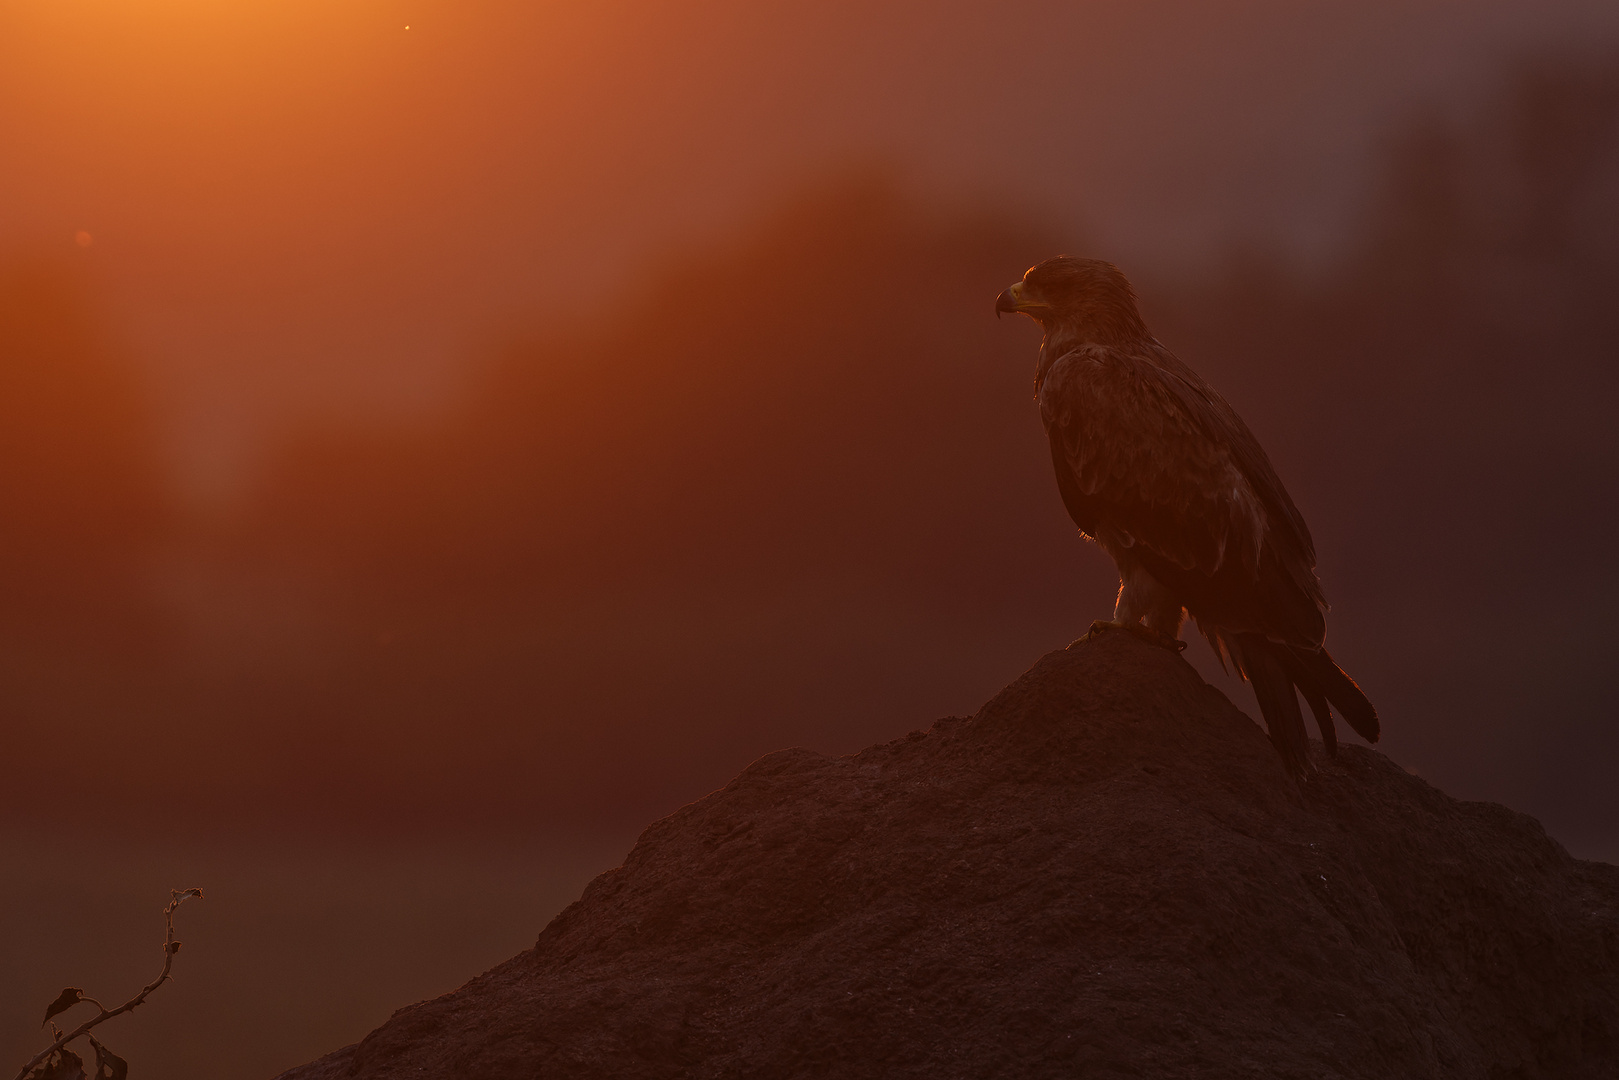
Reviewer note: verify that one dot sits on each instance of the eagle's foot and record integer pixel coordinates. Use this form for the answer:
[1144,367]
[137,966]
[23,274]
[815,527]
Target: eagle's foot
[1145,633]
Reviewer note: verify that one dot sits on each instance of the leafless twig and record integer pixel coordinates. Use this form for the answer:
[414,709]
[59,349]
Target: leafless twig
[73,996]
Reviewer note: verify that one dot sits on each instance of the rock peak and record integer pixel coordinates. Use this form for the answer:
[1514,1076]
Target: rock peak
[1105,871]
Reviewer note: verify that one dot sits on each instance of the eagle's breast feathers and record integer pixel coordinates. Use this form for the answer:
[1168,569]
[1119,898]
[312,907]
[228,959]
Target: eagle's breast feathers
[1147,451]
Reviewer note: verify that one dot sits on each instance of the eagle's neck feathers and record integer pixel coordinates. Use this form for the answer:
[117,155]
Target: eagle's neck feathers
[1113,329]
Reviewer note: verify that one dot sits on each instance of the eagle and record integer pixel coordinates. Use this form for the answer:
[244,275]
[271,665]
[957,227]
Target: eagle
[1161,472]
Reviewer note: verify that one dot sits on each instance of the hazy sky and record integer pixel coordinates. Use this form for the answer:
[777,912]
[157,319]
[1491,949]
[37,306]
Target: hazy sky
[307,204]
[287,210]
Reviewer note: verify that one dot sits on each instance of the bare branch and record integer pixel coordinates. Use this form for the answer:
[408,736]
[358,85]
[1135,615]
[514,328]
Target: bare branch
[170,947]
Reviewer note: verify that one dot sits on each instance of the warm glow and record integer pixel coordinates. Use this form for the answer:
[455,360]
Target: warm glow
[527,423]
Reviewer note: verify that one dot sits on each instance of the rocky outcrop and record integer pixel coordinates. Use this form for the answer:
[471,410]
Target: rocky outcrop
[1106,872]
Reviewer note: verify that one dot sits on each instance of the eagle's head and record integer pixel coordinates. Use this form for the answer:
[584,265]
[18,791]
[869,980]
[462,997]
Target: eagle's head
[1078,300]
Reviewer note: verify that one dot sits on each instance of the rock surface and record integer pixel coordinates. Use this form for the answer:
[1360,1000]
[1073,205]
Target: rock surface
[1106,872]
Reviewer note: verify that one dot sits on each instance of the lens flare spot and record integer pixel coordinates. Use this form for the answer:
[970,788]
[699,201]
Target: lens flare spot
[83,238]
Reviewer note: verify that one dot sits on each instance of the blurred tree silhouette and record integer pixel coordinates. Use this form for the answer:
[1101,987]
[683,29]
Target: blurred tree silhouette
[78,479]
[759,474]
[82,512]
[1451,387]
[83,662]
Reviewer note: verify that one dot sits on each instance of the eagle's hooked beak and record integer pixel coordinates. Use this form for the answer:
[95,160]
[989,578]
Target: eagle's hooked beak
[1010,300]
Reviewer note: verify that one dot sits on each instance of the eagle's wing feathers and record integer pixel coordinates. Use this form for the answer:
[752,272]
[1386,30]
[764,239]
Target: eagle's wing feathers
[1149,447]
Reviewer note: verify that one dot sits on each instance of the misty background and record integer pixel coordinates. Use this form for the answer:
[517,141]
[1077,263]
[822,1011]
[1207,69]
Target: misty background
[429,455]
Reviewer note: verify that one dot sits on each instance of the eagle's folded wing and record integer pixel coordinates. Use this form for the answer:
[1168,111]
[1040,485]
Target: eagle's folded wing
[1150,456]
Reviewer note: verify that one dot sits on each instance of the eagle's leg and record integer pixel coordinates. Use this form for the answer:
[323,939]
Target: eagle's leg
[1145,608]
[1142,599]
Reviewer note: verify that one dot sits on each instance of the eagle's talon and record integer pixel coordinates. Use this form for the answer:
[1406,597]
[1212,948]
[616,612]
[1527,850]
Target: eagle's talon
[1145,633]
[1153,637]
[1098,628]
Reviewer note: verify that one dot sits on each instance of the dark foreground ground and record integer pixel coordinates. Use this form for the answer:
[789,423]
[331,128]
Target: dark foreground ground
[1104,873]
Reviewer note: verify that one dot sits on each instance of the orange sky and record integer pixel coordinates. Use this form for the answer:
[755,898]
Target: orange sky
[303,204]
[818,513]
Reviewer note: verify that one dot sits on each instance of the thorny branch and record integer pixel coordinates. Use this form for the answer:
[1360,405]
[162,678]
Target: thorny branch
[170,947]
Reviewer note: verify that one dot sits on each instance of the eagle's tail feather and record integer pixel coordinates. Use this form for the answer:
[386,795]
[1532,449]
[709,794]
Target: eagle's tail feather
[1348,698]
[1315,695]
[1276,670]
[1269,669]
